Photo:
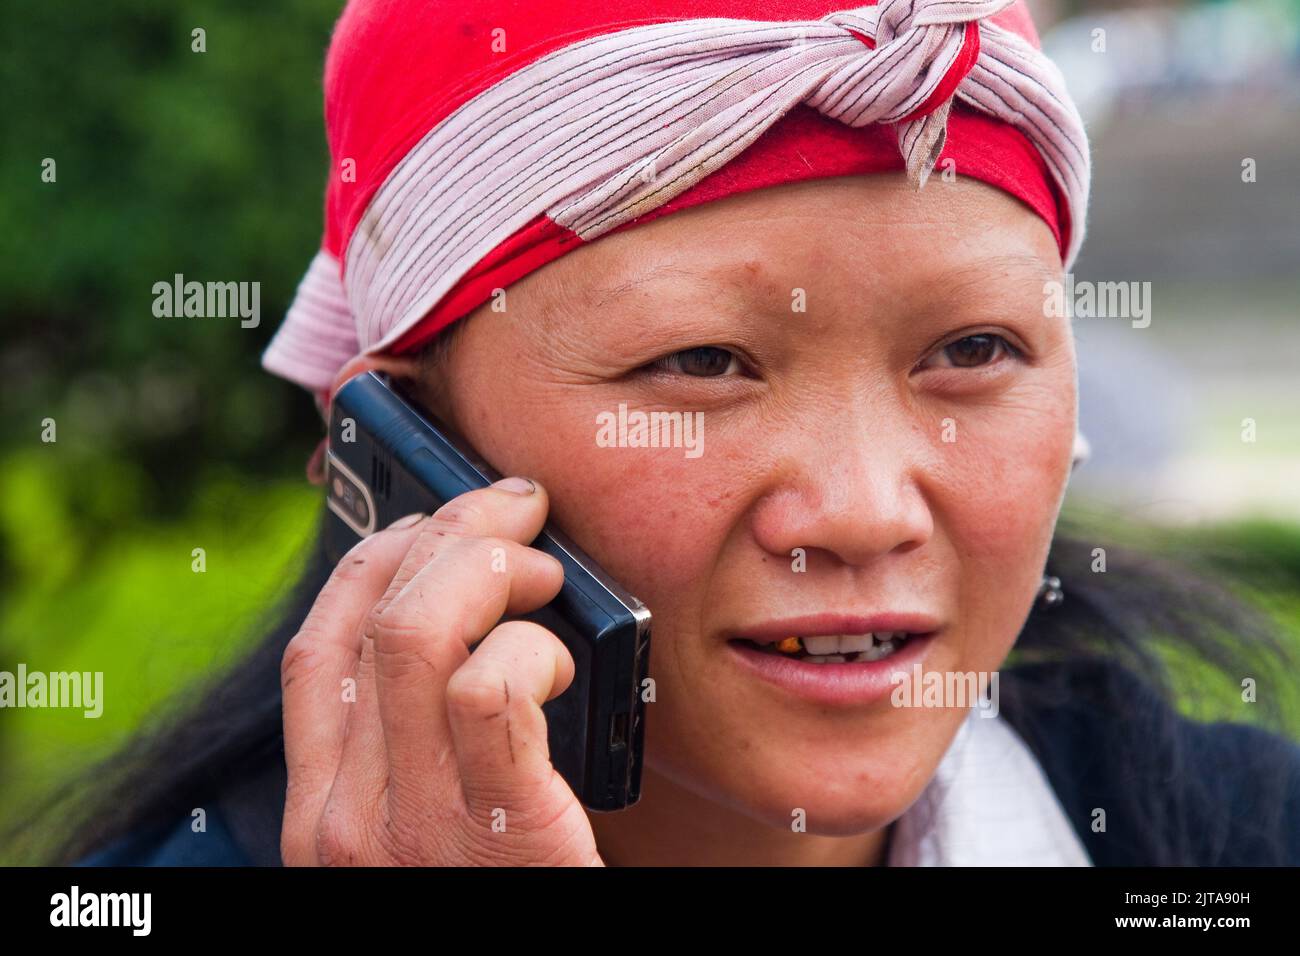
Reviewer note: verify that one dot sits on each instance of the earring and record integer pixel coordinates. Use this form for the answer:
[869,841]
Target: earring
[1050,592]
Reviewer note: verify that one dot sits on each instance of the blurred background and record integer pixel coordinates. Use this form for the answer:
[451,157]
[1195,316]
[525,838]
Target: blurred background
[212,165]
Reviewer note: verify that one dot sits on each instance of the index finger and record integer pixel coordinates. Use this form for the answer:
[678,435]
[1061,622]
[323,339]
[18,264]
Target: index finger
[316,661]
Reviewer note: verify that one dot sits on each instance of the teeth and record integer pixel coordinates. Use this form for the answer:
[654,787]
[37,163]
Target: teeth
[827,659]
[847,643]
[824,644]
[879,651]
[874,653]
[839,648]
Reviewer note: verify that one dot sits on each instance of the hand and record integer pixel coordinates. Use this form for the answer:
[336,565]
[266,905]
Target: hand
[440,758]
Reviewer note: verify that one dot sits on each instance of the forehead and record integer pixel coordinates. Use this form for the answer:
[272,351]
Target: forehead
[871,230]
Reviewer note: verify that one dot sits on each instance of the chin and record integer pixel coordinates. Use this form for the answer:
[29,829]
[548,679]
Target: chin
[855,794]
[832,806]
[842,790]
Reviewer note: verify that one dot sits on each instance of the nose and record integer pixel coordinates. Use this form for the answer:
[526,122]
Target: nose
[855,495]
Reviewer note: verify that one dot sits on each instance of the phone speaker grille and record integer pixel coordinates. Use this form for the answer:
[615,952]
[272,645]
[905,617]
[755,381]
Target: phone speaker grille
[381,479]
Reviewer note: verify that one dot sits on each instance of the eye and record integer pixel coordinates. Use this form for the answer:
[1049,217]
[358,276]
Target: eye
[971,351]
[705,361]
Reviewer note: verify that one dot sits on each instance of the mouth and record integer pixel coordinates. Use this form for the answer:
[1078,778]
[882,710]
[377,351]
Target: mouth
[834,659]
[834,648]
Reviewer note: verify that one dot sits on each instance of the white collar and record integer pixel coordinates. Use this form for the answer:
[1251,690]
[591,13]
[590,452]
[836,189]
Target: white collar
[988,804]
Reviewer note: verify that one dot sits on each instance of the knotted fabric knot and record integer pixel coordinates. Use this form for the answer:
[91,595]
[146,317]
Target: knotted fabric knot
[919,51]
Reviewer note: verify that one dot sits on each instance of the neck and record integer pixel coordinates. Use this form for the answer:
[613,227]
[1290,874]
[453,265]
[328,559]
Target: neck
[673,826]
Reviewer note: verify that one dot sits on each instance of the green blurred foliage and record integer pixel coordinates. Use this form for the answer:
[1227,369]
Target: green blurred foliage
[168,161]
[130,605]
[170,437]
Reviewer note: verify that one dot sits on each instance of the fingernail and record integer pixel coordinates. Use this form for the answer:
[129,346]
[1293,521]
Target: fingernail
[408,521]
[516,485]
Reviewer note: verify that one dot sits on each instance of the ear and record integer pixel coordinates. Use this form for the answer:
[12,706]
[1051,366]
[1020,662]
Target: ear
[397,366]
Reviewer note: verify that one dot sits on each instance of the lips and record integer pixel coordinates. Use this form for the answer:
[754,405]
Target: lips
[834,658]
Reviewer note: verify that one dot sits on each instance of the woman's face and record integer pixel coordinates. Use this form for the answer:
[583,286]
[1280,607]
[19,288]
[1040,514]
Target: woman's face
[887,427]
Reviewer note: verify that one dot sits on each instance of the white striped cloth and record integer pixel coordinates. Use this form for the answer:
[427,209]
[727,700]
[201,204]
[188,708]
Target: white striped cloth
[988,804]
[597,133]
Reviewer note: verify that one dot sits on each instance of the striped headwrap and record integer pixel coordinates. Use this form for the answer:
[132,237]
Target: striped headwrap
[475,140]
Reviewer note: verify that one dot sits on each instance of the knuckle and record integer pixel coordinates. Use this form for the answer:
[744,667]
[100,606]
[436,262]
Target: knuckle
[487,558]
[334,848]
[475,691]
[408,642]
[486,549]
[397,628]
[427,545]
[458,516]
[345,835]
[350,569]
[335,842]
[301,659]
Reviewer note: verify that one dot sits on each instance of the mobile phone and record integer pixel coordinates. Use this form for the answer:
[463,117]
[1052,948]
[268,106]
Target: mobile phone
[385,460]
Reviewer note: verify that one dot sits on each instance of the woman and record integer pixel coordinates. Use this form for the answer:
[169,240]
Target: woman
[828,236]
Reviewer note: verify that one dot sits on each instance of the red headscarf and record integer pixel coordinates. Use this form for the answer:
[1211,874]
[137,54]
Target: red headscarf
[473,141]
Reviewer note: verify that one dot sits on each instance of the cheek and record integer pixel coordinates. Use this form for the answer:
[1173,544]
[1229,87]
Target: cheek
[997,494]
[1006,486]
[651,517]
